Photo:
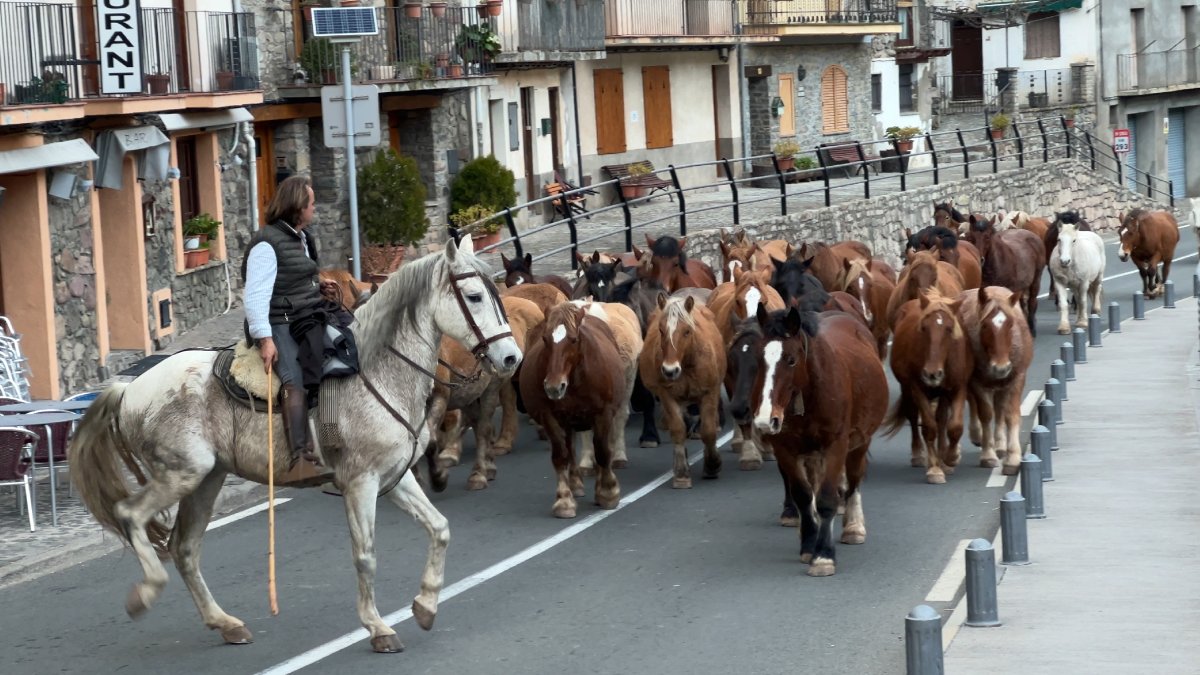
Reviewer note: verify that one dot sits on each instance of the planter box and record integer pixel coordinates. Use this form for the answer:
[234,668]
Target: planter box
[195,258]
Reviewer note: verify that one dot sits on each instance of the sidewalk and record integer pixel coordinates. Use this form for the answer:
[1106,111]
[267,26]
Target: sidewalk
[1113,587]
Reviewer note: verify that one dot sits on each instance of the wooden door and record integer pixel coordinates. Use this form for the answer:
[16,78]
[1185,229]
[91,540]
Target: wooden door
[181,70]
[264,152]
[527,140]
[89,46]
[966,51]
[555,132]
[787,94]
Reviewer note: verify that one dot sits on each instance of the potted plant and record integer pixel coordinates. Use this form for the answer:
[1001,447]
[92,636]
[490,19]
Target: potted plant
[631,185]
[903,137]
[785,153]
[438,9]
[456,66]
[480,222]
[321,61]
[477,44]
[495,7]
[1069,116]
[806,168]
[485,182]
[391,210]
[1000,122]
[198,231]
[412,10]
[159,83]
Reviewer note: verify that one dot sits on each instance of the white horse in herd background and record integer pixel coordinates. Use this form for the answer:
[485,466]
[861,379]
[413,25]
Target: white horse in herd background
[1077,266]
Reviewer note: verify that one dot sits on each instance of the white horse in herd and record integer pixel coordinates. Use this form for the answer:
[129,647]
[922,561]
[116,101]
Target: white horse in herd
[1077,265]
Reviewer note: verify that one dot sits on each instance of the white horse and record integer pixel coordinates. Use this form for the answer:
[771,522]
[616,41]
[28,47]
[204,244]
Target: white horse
[1077,265]
[175,430]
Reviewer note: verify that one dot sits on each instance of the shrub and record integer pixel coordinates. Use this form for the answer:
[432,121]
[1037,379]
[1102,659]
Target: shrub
[483,181]
[805,163]
[476,212]
[786,149]
[1000,121]
[391,200]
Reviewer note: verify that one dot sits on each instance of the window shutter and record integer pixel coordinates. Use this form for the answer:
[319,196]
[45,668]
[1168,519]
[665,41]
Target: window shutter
[609,88]
[656,103]
[835,101]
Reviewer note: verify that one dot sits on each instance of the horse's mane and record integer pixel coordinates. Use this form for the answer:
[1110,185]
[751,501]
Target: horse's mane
[377,322]
[675,310]
[937,302]
[812,286]
[565,314]
[775,327]
[948,237]
[667,246]
[1071,217]
[1135,215]
[954,213]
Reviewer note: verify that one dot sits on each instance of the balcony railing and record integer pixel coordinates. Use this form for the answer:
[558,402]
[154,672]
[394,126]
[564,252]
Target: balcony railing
[458,44]
[1158,70]
[668,18]
[49,52]
[1026,90]
[550,26]
[758,15]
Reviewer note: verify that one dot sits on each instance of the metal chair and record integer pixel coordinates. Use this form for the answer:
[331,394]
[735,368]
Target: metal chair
[15,463]
[54,439]
[83,396]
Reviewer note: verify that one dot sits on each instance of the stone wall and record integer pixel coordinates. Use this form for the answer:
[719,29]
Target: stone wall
[276,43]
[75,299]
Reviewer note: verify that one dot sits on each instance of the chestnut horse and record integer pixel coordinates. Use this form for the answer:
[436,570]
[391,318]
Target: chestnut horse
[827,260]
[950,248]
[1006,220]
[1013,259]
[819,395]
[670,266]
[628,334]
[350,292]
[573,382]
[545,296]
[932,362]
[740,252]
[923,272]
[1002,349]
[871,286]
[1149,237]
[520,271]
[683,362]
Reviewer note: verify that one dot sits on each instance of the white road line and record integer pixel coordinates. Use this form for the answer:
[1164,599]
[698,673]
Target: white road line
[234,517]
[1031,401]
[1043,296]
[338,644]
[996,478]
[946,586]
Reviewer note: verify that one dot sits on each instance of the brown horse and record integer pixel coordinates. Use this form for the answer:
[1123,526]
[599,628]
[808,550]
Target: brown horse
[520,271]
[950,248]
[924,271]
[1005,220]
[873,289]
[827,260]
[778,250]
[740,252]
[1149,237]
[628,334]
[573,383]
[819,395]
[945,215]
[350,293]
[1002,349]
[932,362]
[1013,259]
[683,362]
[545,296]
[667,264]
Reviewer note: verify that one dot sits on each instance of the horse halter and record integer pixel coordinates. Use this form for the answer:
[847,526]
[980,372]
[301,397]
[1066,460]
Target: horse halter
[482,341]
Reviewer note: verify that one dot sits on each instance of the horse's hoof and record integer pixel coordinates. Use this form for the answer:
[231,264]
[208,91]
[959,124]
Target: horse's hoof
[387,644]
[950,469]
[587,471]
[853,538]
[648,443]
[619,463]
[935,478]
[564,511]
[476,482]
[608,503]
[1011,470]
[681,483]
[238,635]
[989,463]
[135,606]
[789,521]
[805,558]
[490,473]
[821,567]
[447,461]
[768,456]
[501,450]
[423,615]
[917,462]
[750,464]
[1064,331]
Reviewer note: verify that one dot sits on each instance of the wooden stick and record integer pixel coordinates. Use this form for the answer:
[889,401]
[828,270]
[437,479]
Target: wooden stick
[271,497]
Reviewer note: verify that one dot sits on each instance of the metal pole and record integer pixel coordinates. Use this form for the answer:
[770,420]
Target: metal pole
[1054,395]
[1039,444]
[1114,317]
[1046,413]
[351,169]
[1169,295]
[1139,306]
[1079,338]
[1014,535]
[981,584]
[1067,354]
[1031,487]
[1094,330]
[1058,371]
[923,642]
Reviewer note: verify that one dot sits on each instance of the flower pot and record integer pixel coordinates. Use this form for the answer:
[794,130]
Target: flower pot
[225,79]
[308,13]
[632,191]
[195,258]
[786,163]
[159,84]
[997,134]
[455,70]
[480,241]
[349,3]
[442,60]
[438,9]
[1070,122]
[412,10]
[495,7]
[904,147]
[381,259]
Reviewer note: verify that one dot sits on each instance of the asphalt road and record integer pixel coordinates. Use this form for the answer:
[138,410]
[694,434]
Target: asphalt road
[675,581]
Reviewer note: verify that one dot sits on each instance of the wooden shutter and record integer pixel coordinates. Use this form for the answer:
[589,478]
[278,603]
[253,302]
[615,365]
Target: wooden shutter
[835,101]
[610,110]
[656,101]
[787,94]
[1042,35]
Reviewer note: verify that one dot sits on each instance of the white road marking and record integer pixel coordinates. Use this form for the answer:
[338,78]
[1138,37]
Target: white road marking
[1043,296]
[1031,401]
[996,478]
[349,639]
[946,586]
[234,517]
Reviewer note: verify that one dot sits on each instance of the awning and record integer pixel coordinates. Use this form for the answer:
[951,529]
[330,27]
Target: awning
[1029,6]
[113,144]
[212,119]
[42,156]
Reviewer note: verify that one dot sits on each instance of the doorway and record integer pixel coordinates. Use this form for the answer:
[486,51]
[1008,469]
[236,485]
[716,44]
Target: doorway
[722,115]
[527,140]
[966,53]
[555,133]
[265,167]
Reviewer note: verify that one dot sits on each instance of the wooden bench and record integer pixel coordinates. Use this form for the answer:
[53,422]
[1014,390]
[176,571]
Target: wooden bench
[649,180]
[845,155]
[576,202]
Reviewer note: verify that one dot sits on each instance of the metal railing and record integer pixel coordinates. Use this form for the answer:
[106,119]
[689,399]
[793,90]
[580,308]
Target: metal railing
[1158,70]
[550,26]
[952,155]
[223,51]
[1028,89]
[773,13]
[668,18]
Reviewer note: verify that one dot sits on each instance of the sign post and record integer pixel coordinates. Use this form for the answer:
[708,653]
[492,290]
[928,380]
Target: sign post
[1121,141]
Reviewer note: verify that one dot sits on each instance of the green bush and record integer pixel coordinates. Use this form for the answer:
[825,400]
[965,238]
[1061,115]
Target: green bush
[805,162]
[391,200]
[483,181]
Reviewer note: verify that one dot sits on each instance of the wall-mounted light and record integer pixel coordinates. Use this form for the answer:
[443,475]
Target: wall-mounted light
[800,73]
[776,107]
[723,54]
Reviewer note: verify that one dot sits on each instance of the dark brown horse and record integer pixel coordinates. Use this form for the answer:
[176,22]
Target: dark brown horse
[575,382]
[931,360]
[1013,259]
[671,268]
[520,271]
[924,271]
[945,215]
[1149,237]
[599,278]
[819,395]
[950,248]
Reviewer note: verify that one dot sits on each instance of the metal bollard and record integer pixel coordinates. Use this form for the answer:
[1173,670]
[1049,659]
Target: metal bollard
[1169,295]
[1067,354]
[1139,306]
[1093,330]
[1039,444]
[1058,371]
[1031,487]
[1114,317]
[1014,535]
[1196,285]
[981,584]
[1079,338]
[1046,418]
[1054,395]
[923,642]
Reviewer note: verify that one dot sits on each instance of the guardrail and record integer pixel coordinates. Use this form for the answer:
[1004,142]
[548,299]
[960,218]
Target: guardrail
[952,154]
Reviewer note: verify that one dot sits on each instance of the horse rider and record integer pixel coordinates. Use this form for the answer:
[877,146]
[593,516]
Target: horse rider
[285,311]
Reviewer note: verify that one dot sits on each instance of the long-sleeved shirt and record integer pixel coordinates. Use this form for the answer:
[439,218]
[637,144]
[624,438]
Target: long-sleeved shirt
[261,268]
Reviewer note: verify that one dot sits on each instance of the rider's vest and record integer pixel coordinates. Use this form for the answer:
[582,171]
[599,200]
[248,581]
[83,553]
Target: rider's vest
[297,290]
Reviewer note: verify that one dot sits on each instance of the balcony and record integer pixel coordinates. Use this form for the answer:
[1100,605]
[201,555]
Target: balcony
[50,57]
[457,49]
[1158,72]
[669,22]
[932,39]
[1025,90]
[550,31]
[821,18]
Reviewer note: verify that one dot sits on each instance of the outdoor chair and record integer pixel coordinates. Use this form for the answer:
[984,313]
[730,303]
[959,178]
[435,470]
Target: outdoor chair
[15,463]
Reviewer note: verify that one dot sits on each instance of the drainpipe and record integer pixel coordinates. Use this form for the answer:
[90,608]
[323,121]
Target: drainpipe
[743,102]
[575,114]
[243,132]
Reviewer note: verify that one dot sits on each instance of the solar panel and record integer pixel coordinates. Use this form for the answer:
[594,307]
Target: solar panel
[344,21]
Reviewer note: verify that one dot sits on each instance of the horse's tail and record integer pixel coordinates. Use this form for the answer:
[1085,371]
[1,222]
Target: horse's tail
[100,455]
[899,415]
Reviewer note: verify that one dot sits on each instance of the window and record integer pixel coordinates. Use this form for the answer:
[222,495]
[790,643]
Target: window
[905,38]
[189,191]
[1041,35]
[656,99]
[907,103]
[877,93]
[835,101]
[609,87]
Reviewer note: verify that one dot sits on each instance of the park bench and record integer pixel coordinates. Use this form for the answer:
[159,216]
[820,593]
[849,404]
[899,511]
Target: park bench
[576,202]
[649,180]
[845,156]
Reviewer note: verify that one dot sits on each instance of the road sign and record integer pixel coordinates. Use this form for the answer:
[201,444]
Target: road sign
[366,115]
[1121,140]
